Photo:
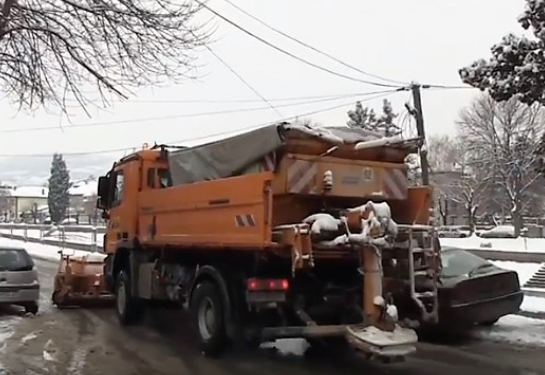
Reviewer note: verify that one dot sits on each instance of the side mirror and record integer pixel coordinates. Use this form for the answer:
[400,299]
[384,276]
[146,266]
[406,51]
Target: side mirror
[103,191]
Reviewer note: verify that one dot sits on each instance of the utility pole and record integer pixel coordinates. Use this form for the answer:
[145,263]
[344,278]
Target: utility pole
[417,113]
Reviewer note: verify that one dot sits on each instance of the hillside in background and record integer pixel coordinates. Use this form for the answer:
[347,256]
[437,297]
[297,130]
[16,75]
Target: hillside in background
[35,170]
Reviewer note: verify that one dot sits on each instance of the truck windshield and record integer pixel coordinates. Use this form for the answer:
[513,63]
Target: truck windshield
[15,260]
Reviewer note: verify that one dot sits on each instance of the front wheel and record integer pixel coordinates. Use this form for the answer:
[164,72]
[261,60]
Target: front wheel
[208,319]
[129,309]
[32,308]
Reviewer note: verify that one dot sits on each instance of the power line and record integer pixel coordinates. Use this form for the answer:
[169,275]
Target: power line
[447,87]
[234,24]
[229,101]
[311,47]
[232,70]
[187,115]
[228,132]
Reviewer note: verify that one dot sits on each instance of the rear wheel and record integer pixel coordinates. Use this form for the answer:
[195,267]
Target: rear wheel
[129,309]
[208,318]
[32,308]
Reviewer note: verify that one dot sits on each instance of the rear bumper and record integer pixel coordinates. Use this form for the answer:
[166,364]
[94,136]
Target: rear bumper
[482,311]
[20,294]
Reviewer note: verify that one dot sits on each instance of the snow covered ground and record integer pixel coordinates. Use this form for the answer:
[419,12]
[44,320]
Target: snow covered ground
[530,245]
[77,237]
[40,251]
[515,329]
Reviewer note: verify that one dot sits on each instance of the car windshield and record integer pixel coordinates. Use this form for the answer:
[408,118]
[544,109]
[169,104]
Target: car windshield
[457,262]
[15,260]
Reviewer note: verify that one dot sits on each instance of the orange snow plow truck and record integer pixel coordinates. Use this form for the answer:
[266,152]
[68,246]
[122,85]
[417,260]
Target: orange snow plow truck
[286,231]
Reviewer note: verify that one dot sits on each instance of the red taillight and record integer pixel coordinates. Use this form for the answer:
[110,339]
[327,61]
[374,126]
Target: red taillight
[255,284]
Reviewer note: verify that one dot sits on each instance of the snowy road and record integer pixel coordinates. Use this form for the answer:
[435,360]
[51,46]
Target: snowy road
[84,342]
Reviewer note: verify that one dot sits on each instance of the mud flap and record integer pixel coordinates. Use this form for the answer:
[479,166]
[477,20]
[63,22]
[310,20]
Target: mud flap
[372,341]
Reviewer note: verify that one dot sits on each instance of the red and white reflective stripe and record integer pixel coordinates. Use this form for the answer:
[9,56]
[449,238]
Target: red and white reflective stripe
[302,176]
[268,164]
[395,183]
[245,221]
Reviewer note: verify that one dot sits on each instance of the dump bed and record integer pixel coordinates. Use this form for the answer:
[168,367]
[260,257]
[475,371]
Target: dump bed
[232,193]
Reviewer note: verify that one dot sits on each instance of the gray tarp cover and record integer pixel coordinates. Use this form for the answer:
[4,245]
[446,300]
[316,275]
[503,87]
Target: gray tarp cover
[230,156]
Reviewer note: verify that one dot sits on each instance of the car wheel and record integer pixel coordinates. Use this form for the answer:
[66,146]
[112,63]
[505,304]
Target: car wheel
[129,309]
[208,319]
[463,236]
[489,323]
[32,308]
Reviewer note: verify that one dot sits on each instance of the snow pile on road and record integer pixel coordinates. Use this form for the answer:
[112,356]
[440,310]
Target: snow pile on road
[533,304]
[521,244]
[515,329]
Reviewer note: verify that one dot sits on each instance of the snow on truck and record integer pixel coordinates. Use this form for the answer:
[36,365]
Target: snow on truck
[282,232]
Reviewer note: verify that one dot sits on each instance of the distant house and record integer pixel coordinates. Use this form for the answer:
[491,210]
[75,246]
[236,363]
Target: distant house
[16,200]
[27,198]
[81,194]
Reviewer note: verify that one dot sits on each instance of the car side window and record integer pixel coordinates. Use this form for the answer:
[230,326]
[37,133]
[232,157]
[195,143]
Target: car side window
[118,188]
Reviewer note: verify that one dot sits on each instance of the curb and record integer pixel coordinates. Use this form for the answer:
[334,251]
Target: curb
[531,314]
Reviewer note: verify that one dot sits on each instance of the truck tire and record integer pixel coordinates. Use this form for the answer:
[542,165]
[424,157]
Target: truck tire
[129,309]
[208,319]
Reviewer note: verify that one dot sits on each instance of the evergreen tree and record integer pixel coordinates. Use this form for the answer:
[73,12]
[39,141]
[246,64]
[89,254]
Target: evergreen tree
[58,198]
[366,118]
[516,65]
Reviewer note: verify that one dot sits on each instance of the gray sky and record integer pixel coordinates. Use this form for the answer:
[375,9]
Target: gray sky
[422,40]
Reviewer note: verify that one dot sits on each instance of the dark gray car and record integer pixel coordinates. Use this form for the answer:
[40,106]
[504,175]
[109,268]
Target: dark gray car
[19,284]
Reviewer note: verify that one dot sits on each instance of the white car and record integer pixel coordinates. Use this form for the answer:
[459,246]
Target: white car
[451,232]
[501,231]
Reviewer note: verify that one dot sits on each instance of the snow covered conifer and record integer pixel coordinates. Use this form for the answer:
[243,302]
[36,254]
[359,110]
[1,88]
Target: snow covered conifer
[58,198]
[366,118]
[517,64]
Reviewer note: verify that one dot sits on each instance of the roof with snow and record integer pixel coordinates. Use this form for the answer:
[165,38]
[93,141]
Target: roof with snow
[28,192]
[84,188]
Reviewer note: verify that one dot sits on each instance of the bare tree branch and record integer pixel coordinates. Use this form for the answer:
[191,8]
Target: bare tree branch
[501,142]
[51,49]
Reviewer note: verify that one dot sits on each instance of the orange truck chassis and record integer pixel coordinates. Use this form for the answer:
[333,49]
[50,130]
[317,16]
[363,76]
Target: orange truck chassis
[285,231]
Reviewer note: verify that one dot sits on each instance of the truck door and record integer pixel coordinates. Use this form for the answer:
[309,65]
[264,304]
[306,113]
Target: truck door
[115,231]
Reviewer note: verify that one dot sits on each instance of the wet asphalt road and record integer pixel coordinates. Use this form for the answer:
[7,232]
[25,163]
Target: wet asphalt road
[88,342]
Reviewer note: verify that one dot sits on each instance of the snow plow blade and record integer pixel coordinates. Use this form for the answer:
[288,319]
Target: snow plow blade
[386,345]
[79,282]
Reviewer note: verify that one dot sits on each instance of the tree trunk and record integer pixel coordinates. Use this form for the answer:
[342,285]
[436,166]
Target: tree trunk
[471,219]
[517,222]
